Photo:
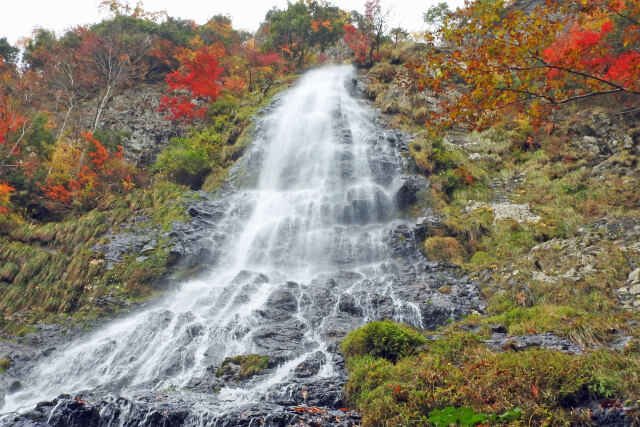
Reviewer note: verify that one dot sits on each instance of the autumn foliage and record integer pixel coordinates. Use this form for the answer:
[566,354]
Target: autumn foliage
[365,37]
[81,173]
[199,79]
[491,58]
[357,42]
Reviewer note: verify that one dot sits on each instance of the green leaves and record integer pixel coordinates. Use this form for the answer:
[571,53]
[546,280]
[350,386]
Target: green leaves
[464,416]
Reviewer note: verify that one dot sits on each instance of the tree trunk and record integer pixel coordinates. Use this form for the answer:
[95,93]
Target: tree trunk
[100,108]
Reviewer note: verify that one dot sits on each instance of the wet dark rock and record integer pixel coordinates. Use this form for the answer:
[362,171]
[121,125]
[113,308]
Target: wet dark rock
[499,329]
[173,409]
[426,226]
[407,194]
[348,305]
[324,392]
[311,366]
[190,244]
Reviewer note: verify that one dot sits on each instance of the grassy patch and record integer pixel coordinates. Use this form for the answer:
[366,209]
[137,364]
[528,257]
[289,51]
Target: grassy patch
[51,269]
[459,370]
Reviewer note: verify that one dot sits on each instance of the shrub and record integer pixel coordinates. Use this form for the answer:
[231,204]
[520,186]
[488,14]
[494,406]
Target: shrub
[386,339]
[446,249]
[459,371]
[184,164]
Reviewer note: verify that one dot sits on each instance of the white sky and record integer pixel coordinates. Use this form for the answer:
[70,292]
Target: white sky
[19,17]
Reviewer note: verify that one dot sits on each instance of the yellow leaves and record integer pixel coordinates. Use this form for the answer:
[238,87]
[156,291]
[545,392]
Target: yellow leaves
[64,162]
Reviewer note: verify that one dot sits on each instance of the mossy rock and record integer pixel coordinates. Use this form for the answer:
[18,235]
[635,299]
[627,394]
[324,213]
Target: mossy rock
[385,339]
[4,365]
[243,366]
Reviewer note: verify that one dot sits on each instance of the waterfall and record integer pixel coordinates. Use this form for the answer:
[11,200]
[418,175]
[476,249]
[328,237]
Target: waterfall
[308,256]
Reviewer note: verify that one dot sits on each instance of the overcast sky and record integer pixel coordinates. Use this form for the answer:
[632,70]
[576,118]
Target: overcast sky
[19,17]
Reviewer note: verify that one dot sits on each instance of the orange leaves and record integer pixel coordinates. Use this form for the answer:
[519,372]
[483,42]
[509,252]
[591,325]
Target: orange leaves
[317,25]
[100,155]
[309,409]
[235,85]
[73,181]
[58,193]
[5,193]
[503,59]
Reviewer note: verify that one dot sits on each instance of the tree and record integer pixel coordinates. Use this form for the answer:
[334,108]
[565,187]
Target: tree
[365,37]
[8,52]
[261,68]
[197,80]
[357,42]
[436,15]
[40,42]
[123,8]
[13,123]
[530,62]
[398,33]
[67,73]
[73,182]
[300,28]
[113,56]
[376,21]
[5,193]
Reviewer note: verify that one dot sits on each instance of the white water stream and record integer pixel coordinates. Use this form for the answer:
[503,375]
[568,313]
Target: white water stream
[322,203]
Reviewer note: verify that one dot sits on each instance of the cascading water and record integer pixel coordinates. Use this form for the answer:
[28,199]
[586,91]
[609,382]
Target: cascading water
[311,252]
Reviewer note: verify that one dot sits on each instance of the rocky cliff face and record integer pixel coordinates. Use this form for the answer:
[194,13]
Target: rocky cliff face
[135,111]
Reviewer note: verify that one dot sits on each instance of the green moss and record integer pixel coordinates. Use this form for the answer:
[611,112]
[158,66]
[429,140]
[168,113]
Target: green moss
[4,365]
[249,366]
[385,339]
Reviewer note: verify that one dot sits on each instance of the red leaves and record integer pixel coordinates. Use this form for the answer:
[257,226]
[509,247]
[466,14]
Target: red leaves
[357,42]
[199,78]
[592,52]
[180,107]
[625,69]
[10,120]
[268,59]
[58,193]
